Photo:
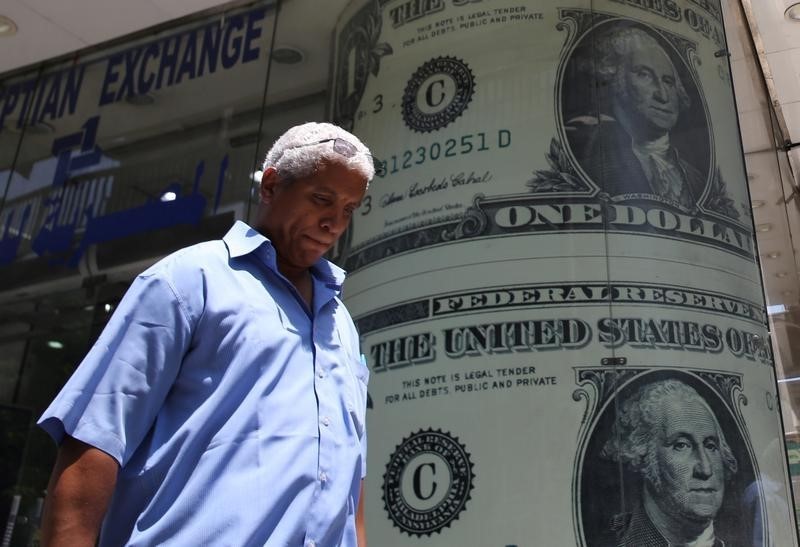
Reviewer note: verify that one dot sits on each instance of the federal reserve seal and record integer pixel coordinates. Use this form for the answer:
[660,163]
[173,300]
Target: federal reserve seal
[427,483]
[437,93]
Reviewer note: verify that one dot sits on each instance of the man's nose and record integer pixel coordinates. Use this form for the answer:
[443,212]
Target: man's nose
[336,222]
[660,92]
[702,465]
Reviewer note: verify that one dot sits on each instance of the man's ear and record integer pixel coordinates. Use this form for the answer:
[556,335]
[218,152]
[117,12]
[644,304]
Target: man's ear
[269,180]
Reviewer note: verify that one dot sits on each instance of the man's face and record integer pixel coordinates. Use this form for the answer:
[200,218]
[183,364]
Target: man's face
[651,90]
[304,217]
[689,463]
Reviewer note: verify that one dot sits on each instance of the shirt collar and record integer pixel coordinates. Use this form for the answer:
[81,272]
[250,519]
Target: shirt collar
[659,147]
[241,240]
[706,539]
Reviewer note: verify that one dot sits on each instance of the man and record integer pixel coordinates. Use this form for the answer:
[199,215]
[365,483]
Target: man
[224,403]
[667,435]
[629,149]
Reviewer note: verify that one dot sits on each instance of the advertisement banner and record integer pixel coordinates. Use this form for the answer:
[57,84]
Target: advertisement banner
[555,281]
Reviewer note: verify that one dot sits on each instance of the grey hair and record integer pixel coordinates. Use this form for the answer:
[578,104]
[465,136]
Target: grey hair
[633,436]
[613,48]
[293,155]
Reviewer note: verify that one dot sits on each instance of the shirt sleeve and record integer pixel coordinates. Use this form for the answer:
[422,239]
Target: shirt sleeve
[352,344]
[363,378]
[112,399]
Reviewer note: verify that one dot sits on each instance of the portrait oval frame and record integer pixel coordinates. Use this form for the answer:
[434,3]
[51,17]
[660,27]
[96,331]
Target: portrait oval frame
[601,484]
[692,136]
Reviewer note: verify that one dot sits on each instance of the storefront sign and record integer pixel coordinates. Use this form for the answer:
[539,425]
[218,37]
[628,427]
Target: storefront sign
[140,70]
[61,205]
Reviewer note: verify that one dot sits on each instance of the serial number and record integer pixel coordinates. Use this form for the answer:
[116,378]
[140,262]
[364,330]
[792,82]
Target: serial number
[461,146]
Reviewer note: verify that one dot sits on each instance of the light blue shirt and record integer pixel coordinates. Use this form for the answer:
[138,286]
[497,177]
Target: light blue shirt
[237,415]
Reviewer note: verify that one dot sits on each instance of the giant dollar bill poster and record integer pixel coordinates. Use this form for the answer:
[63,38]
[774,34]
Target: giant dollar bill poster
[555,281]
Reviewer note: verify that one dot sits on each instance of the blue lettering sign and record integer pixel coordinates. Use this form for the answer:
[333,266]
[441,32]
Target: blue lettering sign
[127,88]
[252,34]
[189,60]
[212,35]
[233,47]
[146,82]
[107,96]
[169,59]
[183,57]
[10,99]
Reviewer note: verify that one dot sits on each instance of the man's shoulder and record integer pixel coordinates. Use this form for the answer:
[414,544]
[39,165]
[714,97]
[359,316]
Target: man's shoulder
[189,272]
[195,258]
[695,178]
[637,530]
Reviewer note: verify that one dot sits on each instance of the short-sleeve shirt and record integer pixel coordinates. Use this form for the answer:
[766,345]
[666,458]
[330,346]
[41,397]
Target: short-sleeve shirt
[236,413]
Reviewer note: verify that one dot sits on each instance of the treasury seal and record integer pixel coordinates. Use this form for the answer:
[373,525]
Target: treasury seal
[427,483]
[437,93]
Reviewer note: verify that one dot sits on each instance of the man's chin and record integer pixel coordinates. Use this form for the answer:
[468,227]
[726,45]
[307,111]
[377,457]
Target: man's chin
[303,260]
[313,256]
[662,123]
[702,512]
[696,510]
[310,259]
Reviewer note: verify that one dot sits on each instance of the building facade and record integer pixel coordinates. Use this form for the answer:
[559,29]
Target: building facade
[570,224]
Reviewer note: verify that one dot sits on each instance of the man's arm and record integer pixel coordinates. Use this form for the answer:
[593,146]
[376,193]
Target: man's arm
[361,529]
[78,495]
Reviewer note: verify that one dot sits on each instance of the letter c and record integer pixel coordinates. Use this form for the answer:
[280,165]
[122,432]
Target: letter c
[418,481]
[429,93]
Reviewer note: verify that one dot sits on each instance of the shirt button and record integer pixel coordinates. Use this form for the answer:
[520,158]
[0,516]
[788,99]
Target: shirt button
[326,422]
[323,477]
[321,374]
